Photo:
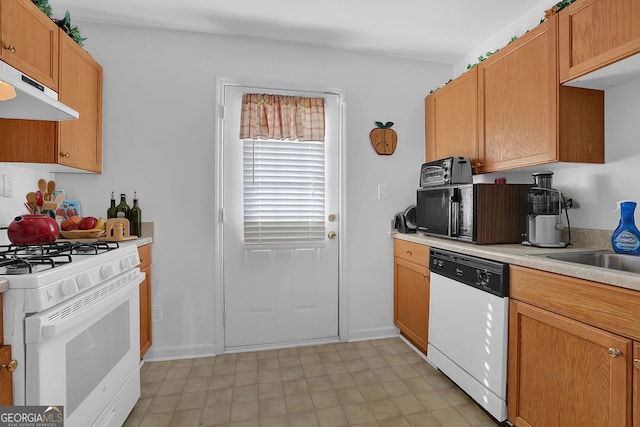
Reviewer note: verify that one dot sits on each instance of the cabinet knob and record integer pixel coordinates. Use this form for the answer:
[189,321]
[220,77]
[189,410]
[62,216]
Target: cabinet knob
[11,366]
[477,165]
[10,48]
[614,352]
[636,363]
[65,155]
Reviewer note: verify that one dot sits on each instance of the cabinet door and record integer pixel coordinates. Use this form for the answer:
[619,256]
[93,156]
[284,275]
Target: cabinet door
[6,383]
[145,300]
[518,102]
[451,119]
[562,372]
[636,384]
[29,41]
[80,141]
[411,301]
[596,33]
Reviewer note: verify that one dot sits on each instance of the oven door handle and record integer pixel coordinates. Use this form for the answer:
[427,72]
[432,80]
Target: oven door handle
[40,327]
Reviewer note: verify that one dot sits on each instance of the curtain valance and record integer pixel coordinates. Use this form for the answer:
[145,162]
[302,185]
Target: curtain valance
[265,116]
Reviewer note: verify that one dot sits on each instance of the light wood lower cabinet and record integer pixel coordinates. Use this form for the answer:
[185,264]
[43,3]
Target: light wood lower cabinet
[411,292]
[6,383]
[145,300]
[571,352]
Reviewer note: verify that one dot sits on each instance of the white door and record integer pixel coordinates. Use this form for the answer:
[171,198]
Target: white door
[286,293]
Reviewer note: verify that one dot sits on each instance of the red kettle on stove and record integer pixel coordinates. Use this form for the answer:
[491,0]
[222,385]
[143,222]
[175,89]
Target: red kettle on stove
[33,230]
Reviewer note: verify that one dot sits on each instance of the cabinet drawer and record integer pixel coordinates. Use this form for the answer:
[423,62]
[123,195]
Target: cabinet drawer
[413,252]
[145,256]
[603,306]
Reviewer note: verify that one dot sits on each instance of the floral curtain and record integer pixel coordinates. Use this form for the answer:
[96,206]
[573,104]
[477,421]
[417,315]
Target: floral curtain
[281,117]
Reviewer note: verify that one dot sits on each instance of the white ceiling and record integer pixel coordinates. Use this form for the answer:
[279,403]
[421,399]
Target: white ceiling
[438,30]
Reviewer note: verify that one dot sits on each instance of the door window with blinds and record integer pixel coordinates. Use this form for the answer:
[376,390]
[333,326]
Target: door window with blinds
[283,170]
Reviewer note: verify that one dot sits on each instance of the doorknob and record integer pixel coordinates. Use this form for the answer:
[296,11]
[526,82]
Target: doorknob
[331,235]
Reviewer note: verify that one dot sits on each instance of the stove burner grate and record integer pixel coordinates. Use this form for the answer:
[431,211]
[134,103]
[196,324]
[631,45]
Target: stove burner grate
[27,259]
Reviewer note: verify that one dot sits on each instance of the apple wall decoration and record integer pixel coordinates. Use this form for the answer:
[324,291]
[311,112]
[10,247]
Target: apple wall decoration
[383,138]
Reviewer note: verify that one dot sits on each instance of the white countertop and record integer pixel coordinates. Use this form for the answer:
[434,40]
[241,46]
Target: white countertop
[518,254]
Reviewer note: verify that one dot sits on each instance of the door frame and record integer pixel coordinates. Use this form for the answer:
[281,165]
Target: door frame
[218,203]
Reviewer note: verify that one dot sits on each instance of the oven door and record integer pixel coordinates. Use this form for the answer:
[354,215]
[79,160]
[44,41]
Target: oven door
[436,211]
[84,354]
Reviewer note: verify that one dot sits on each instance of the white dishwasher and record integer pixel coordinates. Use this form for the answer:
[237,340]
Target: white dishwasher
[468,321]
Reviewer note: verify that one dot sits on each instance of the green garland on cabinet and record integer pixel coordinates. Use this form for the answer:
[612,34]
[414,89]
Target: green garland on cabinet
[547,14]
[64,23]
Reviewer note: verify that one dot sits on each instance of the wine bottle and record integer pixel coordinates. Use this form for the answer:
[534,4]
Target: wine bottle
[135,217]
[111,212]
[122,210]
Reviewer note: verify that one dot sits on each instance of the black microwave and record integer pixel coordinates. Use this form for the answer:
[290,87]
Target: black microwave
[478,213]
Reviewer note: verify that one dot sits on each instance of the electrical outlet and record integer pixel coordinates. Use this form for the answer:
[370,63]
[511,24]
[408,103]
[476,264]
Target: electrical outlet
[382,191]
[156,313]
[7,185]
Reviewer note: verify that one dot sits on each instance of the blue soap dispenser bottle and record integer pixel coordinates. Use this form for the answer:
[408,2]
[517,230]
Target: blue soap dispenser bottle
[626,238]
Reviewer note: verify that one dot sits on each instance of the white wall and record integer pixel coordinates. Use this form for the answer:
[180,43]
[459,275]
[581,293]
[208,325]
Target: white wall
[159,99]
[25,180]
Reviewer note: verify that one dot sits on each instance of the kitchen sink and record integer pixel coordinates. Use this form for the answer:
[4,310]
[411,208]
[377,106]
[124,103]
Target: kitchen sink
[604,259]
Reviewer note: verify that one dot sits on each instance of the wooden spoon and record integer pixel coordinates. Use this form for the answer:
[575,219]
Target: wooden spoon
[51,187]
[42,186]
[31,199]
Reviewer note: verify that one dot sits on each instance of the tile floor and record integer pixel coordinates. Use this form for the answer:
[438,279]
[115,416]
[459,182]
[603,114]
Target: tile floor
[369,383]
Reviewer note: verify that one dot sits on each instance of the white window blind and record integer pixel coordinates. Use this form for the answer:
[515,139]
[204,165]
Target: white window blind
[284,192]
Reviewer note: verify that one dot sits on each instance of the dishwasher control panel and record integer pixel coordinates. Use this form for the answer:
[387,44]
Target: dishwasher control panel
[486,275]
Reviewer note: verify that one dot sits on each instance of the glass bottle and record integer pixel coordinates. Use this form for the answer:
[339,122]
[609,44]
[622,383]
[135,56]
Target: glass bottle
[135,217]
[111,212]
[122,210]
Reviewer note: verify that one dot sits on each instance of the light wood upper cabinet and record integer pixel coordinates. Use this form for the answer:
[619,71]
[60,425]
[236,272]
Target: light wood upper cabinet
[73,143]
[596,33]
[451,119]
[411,291]
[525,117]
[80,141]
[29,41]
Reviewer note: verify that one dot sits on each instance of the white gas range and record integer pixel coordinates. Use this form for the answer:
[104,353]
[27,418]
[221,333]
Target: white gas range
[71,315]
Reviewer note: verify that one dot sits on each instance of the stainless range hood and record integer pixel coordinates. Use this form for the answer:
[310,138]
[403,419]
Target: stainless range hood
[33,101]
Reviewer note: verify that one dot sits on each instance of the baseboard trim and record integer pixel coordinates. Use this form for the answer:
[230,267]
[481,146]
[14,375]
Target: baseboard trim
[159,354]
[373,334]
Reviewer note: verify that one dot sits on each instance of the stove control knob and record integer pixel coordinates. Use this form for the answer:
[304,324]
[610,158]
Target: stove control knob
[84,281]
[125,264]
[106,271]
[69,287]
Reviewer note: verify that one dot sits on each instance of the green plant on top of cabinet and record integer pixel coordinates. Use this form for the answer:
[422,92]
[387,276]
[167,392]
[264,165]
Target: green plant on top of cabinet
[73,143]
[29,41]
[451,119]
[525,117]
[596,33]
